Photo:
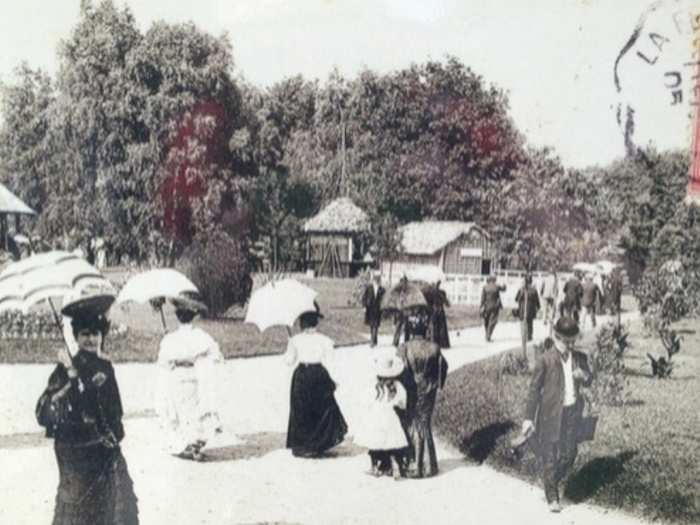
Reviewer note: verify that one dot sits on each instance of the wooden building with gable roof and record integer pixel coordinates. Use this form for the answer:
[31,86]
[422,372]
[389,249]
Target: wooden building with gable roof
[333,246]
[455,247]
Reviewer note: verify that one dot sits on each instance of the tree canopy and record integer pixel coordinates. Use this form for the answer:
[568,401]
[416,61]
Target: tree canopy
[146,138]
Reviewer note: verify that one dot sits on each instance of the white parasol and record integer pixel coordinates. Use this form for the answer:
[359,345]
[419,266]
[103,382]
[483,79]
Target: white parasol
[51,275]
[280,303]
[47,276]
[152,285]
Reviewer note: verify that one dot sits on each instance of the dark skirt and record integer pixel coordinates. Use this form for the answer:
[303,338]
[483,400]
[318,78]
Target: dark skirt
[441,335]
[94,487]
[315,421]
[422,458]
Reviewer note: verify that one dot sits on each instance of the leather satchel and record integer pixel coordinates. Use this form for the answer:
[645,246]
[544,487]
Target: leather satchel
[587,428]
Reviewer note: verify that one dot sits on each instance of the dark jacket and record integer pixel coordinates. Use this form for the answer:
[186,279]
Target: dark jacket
[545,400]
[491,297]
[373,304]
[591,293]
[533,302]
[77,415]
[573,292]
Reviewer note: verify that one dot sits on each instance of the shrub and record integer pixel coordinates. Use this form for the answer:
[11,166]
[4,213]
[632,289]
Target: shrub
[512,364]
[663,366]
[218,265]
[662,295]
[607,363]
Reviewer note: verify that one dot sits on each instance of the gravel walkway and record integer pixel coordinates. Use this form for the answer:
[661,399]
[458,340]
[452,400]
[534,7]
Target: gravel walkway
[252,478]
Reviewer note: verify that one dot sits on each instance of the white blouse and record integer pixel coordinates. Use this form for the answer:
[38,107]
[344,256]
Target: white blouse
[308,347]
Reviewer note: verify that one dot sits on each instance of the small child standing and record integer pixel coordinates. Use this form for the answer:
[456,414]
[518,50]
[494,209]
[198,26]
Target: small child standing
[382,432]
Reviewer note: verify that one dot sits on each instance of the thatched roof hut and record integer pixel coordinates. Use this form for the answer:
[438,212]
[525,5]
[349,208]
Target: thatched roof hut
[332,239]
[340,216]
[10,204]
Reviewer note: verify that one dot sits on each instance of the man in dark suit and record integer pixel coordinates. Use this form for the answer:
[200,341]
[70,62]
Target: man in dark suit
[555,407]
[589,300]
[528,305]
[372,301]
[490,305]
[573,292]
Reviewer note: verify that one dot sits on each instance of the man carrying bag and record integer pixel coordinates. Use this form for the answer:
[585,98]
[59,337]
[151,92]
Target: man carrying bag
[555,407]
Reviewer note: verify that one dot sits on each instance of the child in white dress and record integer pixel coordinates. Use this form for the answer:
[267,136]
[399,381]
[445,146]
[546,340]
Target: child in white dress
[382,432]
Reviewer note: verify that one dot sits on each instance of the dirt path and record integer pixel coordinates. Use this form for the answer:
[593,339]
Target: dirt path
[252,478]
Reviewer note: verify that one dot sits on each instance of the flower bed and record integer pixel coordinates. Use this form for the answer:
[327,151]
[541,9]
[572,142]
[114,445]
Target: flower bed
[38,325]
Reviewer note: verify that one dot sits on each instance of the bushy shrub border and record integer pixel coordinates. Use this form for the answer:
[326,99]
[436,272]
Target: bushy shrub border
[638,462]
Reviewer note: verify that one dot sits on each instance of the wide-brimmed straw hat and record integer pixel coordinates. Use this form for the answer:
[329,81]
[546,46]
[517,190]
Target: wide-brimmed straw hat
[387,363]
[189,301]
[92,301]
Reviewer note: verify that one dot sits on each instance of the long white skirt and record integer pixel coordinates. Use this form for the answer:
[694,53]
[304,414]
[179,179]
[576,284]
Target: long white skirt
[381,428]
[183,417]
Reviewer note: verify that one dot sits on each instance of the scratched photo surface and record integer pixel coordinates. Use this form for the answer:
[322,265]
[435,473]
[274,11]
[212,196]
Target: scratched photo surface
[349,262]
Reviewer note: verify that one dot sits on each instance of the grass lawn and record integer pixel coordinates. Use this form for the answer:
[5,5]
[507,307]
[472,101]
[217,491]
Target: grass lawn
[343,322]
[646,455]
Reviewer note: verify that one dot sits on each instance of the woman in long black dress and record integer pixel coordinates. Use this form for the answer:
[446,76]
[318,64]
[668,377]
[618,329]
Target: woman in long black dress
[315,421]
[425,373]
[438,321]
[81,409]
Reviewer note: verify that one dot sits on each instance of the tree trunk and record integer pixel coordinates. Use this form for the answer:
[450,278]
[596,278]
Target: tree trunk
[274,252]
[523,322]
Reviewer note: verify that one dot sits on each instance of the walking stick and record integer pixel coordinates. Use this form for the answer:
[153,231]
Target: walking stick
[162,319]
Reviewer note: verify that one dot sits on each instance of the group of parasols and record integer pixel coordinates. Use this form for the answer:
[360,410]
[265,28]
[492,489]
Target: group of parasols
[81,407]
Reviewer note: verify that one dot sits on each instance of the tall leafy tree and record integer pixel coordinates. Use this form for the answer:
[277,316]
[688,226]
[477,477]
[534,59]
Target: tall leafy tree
[26,163]
[278,197]
[642,193]
[189,109]
[546,218]
[92,123]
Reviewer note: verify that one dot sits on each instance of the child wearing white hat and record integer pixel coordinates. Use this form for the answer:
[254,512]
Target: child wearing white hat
[382,432]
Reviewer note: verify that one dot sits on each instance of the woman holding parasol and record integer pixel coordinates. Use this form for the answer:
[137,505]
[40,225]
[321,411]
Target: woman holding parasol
[315,421]
[187,402]
[81,409]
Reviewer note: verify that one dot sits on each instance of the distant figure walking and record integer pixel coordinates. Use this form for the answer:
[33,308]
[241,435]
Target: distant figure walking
[590,299]
[549,292]
[528,305]
[425,373]
[438,318]
[615,291]
[491,305]
[315,421]
[372,301]
[573,292]
[382,432]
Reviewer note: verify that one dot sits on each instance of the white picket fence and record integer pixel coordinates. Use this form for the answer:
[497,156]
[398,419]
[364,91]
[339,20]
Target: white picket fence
[466,289]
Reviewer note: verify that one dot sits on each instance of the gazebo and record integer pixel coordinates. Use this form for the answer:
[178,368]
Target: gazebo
[332,246]
[10,205]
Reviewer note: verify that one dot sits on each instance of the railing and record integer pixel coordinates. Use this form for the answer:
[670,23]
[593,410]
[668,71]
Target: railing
[466,289]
